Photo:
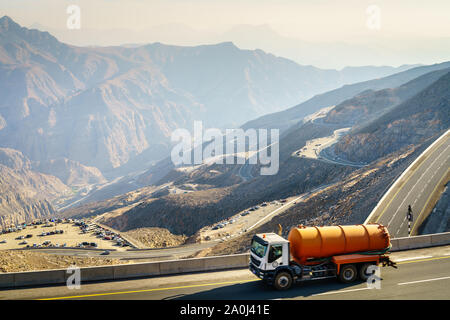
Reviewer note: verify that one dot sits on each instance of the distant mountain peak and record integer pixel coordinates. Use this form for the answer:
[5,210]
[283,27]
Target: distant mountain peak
[6,23]
[227,44]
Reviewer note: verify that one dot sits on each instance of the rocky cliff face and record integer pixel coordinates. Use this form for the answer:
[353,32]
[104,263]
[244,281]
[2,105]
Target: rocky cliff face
[71,173]
[25,194]
[425,115]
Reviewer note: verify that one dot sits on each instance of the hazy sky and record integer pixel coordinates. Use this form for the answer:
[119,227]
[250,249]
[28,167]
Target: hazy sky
[402,23]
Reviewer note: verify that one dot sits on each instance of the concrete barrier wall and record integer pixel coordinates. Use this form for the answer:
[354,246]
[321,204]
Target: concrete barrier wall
[150,269]
[424,241]
[125,271]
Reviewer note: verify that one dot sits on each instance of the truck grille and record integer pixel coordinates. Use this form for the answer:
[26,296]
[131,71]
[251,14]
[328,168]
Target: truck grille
[255,261]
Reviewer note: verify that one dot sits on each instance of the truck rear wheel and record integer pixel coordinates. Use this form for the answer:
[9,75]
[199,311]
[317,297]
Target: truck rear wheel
[348,273]
[282,281]
[363,274]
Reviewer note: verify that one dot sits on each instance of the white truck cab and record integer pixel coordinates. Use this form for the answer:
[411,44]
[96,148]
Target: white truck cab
[268,252]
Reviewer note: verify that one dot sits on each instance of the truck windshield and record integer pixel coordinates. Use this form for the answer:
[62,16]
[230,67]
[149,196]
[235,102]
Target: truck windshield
[258,248]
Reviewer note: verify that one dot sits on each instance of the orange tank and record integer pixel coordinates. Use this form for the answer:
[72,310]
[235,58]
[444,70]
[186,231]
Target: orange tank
[321,242]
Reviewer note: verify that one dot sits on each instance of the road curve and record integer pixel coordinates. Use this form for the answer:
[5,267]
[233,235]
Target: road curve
[415,187]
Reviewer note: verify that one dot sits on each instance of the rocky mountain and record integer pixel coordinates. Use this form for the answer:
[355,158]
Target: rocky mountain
[106,107]
[286,118]
[71,173]
[425,114]
[221,192]
[370,104]
[25,194]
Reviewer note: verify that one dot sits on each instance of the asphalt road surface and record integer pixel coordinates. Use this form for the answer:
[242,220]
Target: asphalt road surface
[158,253]
[421,274]
[415,189]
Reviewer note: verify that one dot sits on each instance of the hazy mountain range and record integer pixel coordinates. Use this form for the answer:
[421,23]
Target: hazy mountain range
[311,51]
[73,118]
[102,107]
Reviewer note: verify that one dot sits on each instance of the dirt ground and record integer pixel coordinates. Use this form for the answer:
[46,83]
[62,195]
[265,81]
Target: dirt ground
[242,223]
[27,260]
[155,237]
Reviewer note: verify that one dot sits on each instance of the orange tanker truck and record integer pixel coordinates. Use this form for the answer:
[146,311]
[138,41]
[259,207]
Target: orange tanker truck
[311,253]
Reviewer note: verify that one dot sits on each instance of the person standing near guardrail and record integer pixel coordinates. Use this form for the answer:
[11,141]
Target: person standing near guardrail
[409,216]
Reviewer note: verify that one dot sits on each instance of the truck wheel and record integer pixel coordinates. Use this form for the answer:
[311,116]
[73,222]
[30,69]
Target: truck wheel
[282,281]
[348,273]
[363,274]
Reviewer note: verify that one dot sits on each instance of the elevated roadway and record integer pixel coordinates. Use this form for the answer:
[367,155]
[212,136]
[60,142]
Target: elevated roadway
[415,187]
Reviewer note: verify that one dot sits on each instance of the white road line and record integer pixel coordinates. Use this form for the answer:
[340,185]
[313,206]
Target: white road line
[426,280]
[418,180]
[340,291]
[413,258]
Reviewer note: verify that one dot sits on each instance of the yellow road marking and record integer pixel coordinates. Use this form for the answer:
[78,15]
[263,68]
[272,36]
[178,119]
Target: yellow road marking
[428,200]
[199,285]
[422,260]
[149,290]
[403,184]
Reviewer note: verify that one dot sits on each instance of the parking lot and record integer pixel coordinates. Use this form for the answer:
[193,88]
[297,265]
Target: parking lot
[58,234]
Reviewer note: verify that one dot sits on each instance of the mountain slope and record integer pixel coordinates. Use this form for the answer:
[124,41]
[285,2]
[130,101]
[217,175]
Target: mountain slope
[25,194]
[424,115]
[106,107]
[284,119]
[423,100]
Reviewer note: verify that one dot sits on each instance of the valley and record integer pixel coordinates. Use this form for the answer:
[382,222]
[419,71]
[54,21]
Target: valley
[85,133]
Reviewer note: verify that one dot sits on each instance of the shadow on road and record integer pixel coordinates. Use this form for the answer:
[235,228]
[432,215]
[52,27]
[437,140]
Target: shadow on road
[259,291]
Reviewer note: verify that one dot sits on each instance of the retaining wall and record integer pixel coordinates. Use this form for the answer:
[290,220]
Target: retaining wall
[151,269]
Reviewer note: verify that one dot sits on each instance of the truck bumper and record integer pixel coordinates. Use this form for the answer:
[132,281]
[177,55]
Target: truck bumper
[256,271]
[267,276]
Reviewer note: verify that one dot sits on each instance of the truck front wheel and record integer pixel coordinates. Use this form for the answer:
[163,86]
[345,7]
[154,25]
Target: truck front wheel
[282,281]
[348,273]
